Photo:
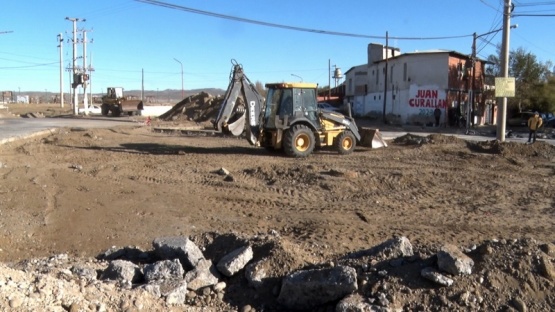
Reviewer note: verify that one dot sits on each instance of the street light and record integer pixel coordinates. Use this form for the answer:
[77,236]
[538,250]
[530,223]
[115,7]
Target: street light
[297,77]
[182,94]
[471,93]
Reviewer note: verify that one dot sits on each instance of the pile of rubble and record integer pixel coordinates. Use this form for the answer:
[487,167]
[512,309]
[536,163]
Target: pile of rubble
[229,273]
[198,108]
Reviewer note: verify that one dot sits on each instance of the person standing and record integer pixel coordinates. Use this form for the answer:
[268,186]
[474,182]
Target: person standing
[437,115]
[534,123]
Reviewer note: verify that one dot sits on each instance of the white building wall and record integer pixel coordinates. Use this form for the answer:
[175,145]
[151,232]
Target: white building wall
[416,85]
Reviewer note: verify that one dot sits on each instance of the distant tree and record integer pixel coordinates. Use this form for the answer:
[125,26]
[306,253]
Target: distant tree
[531,76]
[323,90]
[543,96]
[260,88]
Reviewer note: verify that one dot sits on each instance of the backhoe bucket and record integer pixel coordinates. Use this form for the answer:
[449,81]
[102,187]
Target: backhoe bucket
[371,138]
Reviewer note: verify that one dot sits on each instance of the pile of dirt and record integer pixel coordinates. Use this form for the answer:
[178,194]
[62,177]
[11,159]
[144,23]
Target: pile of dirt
[506,149]
[198,108]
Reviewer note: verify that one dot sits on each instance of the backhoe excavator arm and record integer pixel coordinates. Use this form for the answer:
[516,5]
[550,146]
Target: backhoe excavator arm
[241,103]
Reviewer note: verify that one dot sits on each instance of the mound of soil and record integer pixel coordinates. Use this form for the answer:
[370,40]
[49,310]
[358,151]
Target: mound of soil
[198,108]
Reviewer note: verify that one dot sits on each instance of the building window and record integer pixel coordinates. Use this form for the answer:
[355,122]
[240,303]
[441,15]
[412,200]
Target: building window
[391,73]
[377,76]
[351,85]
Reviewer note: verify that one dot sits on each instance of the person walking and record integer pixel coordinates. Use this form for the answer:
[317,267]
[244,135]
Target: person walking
[534,123]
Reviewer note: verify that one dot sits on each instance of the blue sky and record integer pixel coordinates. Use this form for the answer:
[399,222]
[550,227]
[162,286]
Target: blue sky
[130,36]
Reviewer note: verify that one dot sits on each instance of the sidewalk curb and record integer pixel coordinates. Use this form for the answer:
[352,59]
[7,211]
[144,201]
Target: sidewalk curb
[23,137]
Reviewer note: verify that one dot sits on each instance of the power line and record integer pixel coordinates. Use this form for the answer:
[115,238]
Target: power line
[27,66]
[262,23]
[531,4]
[534,15]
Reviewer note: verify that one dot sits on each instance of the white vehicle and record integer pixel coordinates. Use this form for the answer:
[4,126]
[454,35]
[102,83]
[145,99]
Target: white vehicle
[328,107]
[93,109]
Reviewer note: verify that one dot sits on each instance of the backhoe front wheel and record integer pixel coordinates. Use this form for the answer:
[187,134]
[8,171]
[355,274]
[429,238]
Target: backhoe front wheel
[104,109]
[298,141]
[345,143]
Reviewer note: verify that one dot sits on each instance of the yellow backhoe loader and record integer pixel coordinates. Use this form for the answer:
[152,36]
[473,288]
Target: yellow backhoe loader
[289,120]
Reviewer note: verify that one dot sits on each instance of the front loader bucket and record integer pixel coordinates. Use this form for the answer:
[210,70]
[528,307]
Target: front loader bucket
[131,105]
[371,138]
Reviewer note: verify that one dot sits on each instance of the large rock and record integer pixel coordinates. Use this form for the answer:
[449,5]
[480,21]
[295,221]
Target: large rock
[205,274]
[177,295]
[235,261]
[452,260]
[436,277]
[393,248]
[310,288]
[255,273]
[122,271]
[169,248]
[165,269]
[546,268]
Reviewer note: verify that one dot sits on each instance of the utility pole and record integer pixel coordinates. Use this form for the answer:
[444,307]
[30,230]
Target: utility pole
[385,76]
[329,80]
[76,81]
[61,41]
[90,69]
[502,111]
[85,77]
[469,114]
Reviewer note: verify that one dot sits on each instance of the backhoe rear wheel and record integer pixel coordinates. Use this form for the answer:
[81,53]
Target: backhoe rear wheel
[345,143]
[298,141]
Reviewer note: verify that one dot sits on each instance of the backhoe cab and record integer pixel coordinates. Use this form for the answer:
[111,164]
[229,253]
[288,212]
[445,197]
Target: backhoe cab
[289,120]
[292,122]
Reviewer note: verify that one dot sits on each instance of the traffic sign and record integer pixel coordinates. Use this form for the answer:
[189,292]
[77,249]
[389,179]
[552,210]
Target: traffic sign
[504,87]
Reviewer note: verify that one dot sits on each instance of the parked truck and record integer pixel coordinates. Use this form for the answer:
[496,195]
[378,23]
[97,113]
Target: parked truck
[114,103]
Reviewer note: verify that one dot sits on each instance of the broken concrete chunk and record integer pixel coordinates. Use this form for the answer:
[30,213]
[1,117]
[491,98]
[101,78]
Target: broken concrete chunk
[235,261]
[165,269]
[177,295]
[390,249]
[357,303]
[546,268]
[84,272]
[152,289]
[255,273]
[205,274]
[310,288]
[436,277]
[123,271]
[169,248]
[452,260]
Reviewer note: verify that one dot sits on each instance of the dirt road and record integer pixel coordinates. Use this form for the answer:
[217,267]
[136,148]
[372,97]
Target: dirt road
[84,191]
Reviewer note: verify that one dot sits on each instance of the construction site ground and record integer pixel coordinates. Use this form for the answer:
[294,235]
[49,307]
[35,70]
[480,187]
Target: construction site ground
[82,191]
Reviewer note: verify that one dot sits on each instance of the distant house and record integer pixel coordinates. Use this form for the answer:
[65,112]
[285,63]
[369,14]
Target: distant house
[24,99]
[418,83]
